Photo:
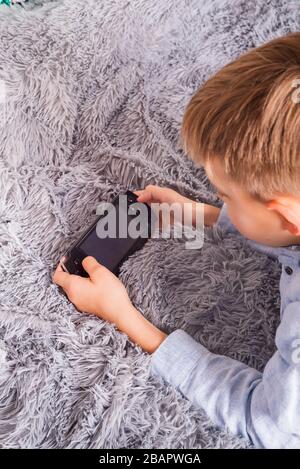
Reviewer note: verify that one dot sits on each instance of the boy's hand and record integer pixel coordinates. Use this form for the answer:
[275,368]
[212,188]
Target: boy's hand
[102,293]
[156,194]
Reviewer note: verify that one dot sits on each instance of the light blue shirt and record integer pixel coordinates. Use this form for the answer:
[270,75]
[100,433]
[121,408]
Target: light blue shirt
[263,407]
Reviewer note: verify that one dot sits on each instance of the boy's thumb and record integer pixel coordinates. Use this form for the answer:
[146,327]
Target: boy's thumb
[90,265]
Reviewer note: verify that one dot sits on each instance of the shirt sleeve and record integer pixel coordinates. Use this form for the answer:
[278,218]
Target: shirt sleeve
[263,407]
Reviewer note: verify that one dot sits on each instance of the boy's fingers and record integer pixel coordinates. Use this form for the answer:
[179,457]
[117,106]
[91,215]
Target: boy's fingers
[143,198]
[149,194]
[60,277]
[59,267]
[142,195]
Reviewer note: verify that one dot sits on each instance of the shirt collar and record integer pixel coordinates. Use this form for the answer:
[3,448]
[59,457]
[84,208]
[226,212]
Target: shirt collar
[289,253]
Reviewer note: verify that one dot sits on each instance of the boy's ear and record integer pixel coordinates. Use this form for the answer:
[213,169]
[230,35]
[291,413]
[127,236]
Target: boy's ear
[288,207]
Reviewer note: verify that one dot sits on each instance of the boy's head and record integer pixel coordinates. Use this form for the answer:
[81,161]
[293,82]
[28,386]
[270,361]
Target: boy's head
[243,126]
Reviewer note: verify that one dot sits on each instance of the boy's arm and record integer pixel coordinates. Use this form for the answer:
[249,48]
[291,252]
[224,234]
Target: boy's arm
[264,407]
[156,194]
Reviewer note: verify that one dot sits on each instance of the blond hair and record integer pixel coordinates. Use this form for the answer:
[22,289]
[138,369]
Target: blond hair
[248,115]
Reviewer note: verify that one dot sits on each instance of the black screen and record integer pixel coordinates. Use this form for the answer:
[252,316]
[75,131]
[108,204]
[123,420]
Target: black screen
[108,251]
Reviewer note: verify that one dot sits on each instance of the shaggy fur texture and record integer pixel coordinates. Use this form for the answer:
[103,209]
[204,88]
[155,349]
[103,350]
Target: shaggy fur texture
[95,93]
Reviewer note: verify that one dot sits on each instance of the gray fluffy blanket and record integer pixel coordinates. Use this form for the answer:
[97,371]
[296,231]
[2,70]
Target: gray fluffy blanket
[95,93]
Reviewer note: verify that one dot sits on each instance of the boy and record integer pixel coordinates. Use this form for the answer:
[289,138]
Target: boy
[243,126]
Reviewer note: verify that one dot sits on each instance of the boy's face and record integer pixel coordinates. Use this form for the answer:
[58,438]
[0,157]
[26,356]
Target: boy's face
[251,217]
